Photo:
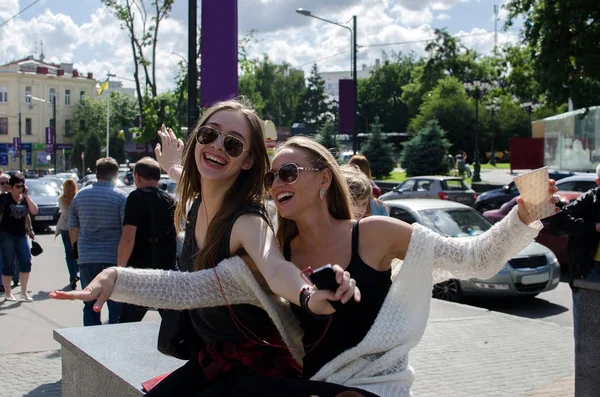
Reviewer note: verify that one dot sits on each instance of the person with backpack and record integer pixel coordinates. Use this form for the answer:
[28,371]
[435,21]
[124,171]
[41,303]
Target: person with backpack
[148,225]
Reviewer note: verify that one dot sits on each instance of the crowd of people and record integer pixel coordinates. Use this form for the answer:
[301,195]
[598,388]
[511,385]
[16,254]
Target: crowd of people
[220,314]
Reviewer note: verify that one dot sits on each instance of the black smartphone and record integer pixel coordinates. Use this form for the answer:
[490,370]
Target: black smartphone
[324,278]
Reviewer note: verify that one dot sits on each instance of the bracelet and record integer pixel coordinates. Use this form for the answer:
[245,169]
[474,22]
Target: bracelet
[305,293]
[173,166]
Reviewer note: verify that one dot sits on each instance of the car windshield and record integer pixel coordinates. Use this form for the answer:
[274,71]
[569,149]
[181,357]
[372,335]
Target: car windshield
[41,189]
[454,222]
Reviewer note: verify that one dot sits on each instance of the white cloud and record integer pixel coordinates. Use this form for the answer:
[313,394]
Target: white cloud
[442,17]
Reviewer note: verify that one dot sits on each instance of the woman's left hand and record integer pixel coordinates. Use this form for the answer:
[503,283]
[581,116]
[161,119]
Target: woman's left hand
[524,214]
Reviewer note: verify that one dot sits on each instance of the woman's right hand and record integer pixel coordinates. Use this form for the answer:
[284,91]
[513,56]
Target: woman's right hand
[168,152]
[99,289]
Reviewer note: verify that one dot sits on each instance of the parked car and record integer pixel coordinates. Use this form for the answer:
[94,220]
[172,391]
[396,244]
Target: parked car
[46,198]
[534,270]
[67,175]
[91,178]
[53,181]
[578,183]
[494,199]
[433,187]
[556,243]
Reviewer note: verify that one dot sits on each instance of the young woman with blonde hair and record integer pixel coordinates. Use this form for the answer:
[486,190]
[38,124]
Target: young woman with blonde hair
[69,190]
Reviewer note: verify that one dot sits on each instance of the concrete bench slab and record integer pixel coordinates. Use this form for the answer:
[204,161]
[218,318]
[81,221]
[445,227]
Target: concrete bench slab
[111,360]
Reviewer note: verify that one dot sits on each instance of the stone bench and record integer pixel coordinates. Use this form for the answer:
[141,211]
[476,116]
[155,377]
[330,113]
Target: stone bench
[587,352]
[111,360]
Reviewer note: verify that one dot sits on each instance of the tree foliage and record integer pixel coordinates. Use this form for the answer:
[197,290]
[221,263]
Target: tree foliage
[314,104]
[379,152]
[327,136]
[562,38]
[426,153]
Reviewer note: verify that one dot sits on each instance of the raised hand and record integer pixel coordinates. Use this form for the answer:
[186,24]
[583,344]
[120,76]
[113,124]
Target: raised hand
[168,152]
[524,214]
[99,289]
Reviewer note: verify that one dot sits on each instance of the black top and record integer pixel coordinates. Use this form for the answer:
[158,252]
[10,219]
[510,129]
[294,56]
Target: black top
[215,324]
[350,324]
[14,216]
[146,208]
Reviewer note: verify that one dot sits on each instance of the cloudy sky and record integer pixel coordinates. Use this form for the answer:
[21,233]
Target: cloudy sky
[85,33]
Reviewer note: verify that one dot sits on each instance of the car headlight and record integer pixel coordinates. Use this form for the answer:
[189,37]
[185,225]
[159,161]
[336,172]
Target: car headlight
[551,258]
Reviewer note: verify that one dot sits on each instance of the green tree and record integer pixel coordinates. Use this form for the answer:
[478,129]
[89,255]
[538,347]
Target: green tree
[449,104]
[314,104]
[426,153]
[379,152]
[381,93]
[327,136]
[563,37]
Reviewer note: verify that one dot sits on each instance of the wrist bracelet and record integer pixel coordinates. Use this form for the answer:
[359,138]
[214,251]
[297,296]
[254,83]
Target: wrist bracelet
[305,293]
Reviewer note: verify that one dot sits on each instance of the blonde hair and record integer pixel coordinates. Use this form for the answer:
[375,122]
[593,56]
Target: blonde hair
[247,190]
[358,183]
[338,195]
[69,190]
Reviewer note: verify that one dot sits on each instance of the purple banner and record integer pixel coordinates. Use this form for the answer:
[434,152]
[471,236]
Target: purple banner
[219,51]
[49,136]
[347,105]
[17,143]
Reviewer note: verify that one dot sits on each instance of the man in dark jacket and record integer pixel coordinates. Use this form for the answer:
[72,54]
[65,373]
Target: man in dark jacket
[581,222]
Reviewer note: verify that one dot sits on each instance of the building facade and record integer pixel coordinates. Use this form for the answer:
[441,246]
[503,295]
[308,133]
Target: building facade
[332,79]
[31,93]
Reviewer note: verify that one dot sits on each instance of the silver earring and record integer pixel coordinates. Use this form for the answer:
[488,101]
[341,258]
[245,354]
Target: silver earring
[322,193]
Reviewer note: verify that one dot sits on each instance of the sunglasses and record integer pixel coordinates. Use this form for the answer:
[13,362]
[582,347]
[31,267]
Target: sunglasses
[19,186]
[288,173]
[234,147]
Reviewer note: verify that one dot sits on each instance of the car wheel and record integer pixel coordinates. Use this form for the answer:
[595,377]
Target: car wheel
[448,290]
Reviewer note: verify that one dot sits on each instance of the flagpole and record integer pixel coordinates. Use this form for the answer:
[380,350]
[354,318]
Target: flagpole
[107,123]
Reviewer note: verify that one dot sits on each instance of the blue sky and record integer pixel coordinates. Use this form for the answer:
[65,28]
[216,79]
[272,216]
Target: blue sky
[83,32]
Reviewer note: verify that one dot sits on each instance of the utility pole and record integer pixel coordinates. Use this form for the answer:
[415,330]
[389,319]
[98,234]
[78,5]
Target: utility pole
[354,78]
[20,145]
[496,9]
[54,132]
[192,83]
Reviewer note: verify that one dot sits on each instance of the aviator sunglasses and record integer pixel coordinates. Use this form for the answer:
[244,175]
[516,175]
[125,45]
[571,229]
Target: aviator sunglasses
[234,147]
[288,173]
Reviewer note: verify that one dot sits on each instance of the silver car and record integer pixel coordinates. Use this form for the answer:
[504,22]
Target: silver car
[534,270]
[433,187]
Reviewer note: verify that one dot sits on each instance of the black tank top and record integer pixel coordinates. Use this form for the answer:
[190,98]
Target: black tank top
[349,324]
[214,324]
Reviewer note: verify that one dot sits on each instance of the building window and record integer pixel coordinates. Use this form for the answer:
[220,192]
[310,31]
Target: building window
[52,95]
[67,97]
[81,95]
[27,94]
[3,125]
[28,128]
[3,94]
[68,130]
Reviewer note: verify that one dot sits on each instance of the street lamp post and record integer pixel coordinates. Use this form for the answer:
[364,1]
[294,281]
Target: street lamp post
[493,107]
[477,89]
[530,107]
[366,122]
[353,55]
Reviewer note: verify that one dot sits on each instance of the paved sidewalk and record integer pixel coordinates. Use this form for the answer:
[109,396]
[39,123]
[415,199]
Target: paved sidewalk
[466,351]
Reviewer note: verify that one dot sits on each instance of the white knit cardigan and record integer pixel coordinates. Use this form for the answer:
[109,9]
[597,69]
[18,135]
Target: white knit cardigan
[379,363]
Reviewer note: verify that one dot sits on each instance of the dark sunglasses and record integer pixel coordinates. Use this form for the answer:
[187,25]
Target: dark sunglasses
[19,186]
[288,173]
[234,147]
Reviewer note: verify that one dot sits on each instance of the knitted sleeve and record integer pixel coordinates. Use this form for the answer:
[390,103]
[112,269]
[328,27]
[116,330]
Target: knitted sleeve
[483,256]
[184,290]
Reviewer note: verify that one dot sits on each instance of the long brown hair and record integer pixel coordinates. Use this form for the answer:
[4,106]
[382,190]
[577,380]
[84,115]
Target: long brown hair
[247,190]
[69,190]
[361,162]
[337,196]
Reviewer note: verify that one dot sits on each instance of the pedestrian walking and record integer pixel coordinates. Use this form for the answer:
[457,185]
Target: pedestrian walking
[95,224]
[148,240]
[69,190]
[580,221]
[14,207]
